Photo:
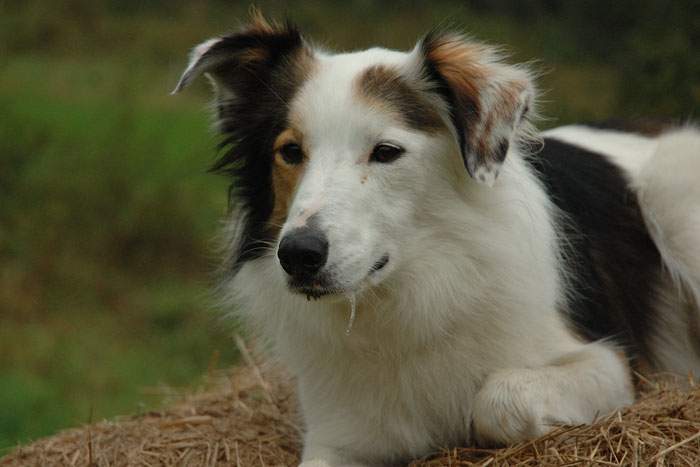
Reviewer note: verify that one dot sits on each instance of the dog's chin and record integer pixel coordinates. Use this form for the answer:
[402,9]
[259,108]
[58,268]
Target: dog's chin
[317,287]
[330,294]
[324,287]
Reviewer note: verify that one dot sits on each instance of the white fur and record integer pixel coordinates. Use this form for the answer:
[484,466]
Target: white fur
[460,329]
[628,151]
[196,65]
[669,192]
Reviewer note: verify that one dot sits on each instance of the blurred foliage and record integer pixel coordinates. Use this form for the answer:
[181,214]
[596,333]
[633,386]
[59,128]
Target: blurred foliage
[652,46]
[106,212]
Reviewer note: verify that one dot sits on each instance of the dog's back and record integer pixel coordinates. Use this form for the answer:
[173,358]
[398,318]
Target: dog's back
[635,237]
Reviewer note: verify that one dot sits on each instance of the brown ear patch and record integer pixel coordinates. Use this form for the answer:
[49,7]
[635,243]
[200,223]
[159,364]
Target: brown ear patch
[458,63]
[285,178]
[471,69]
[385,88]
[259,25]
[487,99]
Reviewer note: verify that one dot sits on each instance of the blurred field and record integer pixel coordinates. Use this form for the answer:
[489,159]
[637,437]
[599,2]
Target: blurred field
[107,212]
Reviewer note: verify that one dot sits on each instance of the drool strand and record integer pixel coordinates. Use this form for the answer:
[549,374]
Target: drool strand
[353,311]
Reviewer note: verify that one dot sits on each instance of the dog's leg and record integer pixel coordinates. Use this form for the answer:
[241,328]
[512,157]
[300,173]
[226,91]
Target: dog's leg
[316,455]
[325,463]
[518,404]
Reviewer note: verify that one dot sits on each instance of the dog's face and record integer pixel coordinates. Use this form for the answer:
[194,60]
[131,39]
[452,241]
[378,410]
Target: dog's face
[339,160]
[354,166]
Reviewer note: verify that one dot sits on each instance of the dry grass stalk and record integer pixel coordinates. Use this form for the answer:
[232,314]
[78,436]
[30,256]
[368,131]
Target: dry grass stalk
[249,418]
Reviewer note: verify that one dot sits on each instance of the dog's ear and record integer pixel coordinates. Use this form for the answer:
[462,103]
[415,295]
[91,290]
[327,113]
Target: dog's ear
[488,101]
[245,59]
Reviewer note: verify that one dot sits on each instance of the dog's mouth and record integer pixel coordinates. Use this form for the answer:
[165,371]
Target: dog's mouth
[379,264]
[318,287]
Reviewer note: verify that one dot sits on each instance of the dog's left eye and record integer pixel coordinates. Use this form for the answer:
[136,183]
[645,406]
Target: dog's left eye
[385,153]
[292,154]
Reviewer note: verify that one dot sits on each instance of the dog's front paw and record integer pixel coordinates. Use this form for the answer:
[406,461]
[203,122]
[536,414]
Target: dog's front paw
[509,408]
[324,463]
[315,463]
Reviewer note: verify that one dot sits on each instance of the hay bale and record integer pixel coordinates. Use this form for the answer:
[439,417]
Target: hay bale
[240,418]
[248,418]
[661,428]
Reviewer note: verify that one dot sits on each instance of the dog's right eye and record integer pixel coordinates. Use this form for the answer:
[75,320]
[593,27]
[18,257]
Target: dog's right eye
[292,154]
[385,153]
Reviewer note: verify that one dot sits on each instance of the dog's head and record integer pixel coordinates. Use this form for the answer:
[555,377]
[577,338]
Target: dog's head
[340,160]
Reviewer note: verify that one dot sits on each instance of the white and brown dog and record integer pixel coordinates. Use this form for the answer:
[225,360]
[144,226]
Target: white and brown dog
[503,280]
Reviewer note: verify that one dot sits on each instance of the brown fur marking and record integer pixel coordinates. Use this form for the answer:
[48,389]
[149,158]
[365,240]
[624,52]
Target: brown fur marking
[260,24]
[285,178]
[459,63]
[385,88]
[301,60]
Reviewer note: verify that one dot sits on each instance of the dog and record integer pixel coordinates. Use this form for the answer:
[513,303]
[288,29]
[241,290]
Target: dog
[431,269]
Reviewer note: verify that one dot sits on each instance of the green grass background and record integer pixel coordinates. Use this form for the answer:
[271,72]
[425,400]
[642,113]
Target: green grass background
[107,214]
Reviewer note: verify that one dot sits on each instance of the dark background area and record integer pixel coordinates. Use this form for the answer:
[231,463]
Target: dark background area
[107,214]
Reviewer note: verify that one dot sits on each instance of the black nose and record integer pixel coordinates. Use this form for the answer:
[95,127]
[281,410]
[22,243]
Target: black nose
[303,251]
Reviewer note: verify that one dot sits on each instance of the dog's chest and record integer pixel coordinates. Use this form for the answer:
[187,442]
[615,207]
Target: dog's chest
[390,406]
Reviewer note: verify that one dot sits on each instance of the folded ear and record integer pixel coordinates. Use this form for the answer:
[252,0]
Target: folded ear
[252,54]
[488,101]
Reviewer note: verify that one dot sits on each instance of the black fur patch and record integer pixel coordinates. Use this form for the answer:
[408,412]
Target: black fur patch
[250,123]
[614,263]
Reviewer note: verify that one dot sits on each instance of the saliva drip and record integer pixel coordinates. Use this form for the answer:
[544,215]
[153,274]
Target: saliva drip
[353,311]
